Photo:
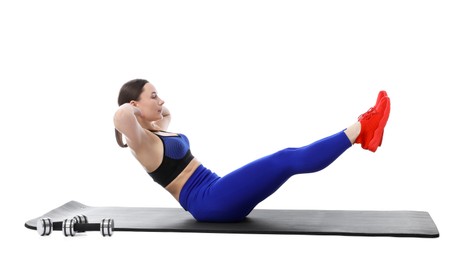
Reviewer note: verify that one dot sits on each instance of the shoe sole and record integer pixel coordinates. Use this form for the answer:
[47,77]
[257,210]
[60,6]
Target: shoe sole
[382,94]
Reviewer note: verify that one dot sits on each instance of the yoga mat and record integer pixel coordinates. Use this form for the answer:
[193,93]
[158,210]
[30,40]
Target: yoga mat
[260,221]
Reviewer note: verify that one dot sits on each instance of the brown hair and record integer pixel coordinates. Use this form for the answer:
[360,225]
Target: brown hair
[128,92]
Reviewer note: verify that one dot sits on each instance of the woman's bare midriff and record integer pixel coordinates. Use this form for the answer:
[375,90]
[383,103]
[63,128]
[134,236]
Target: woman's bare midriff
[177,184]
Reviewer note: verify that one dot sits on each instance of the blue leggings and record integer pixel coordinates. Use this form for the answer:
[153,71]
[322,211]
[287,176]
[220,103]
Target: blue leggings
[211,198]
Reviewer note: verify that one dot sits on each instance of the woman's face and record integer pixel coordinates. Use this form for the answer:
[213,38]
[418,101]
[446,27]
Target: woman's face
[150,103]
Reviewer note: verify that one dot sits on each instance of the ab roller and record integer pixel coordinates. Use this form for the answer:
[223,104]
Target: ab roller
[77,224]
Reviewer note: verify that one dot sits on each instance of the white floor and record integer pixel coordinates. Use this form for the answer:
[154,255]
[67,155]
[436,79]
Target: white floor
[242,80]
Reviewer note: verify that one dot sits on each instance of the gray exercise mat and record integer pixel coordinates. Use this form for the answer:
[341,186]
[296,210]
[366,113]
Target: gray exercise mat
[260,221]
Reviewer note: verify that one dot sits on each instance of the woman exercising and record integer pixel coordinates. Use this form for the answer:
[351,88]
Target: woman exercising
[143,120]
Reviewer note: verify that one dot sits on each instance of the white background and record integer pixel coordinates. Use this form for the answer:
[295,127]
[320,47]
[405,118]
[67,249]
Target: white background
[242,79]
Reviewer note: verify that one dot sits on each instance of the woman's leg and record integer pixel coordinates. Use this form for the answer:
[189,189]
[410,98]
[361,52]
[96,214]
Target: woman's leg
[232,197]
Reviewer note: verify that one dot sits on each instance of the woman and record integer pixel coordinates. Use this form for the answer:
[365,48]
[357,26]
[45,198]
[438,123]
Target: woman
[143,120]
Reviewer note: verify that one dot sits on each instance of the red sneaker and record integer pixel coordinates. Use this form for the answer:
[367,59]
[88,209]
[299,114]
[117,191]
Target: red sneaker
[381,94]
[373,124]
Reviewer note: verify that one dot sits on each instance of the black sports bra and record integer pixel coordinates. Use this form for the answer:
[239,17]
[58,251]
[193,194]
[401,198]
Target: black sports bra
[177,156]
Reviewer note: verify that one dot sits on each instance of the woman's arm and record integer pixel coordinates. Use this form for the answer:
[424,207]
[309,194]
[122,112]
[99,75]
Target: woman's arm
[126,123]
